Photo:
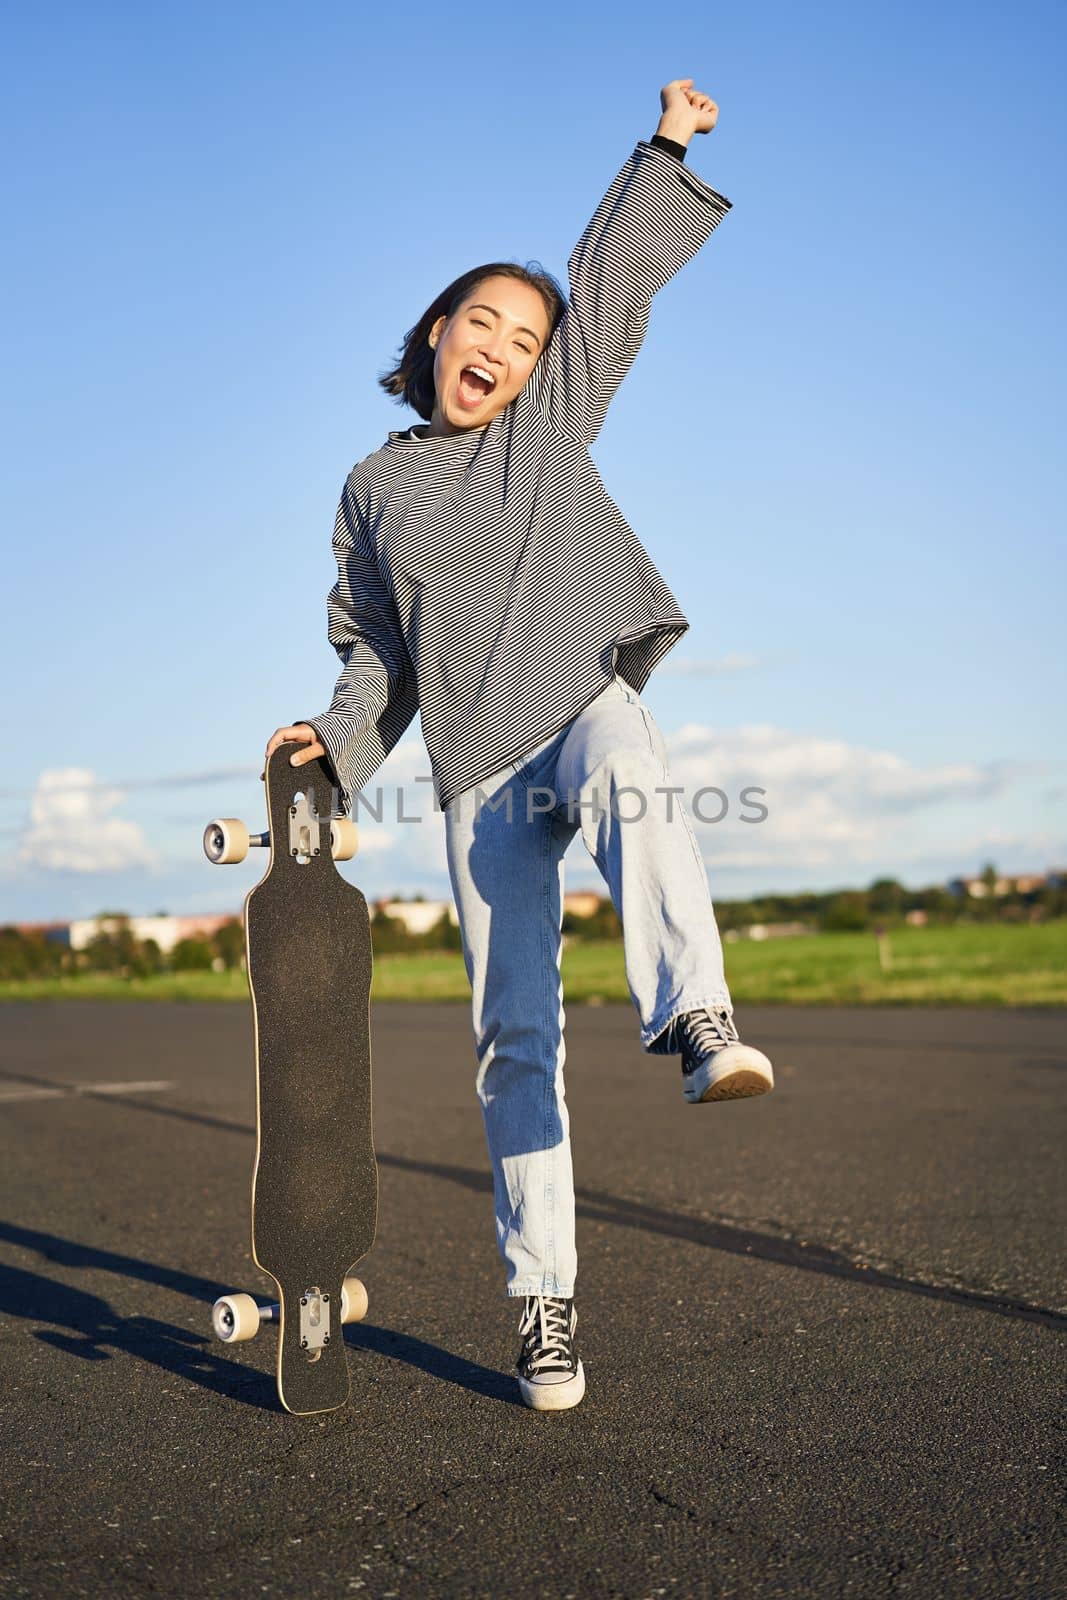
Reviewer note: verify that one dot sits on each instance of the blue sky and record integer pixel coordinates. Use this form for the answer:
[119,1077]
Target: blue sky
[841,442]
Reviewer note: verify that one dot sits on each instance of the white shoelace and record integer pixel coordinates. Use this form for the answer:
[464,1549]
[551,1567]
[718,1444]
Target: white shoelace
[546,1332]
[706,1031]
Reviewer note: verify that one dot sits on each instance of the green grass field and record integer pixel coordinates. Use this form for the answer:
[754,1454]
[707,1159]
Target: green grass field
[977,965]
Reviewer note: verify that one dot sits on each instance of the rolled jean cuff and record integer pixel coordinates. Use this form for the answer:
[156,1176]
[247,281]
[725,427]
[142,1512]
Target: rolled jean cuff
[654,1038]
[517,1291]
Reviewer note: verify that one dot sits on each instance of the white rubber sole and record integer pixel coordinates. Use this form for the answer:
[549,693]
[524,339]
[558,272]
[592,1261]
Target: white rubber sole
[735,1072]
[554,1396]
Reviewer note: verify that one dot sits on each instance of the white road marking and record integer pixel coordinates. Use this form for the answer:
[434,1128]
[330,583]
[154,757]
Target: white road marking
[150,1086]
[9,1092]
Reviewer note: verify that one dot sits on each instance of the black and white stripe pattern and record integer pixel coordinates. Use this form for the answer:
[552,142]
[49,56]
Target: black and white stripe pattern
[486,577]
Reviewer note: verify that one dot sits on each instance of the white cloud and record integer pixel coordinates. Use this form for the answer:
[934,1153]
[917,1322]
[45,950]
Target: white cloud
[717,667]
[71,828]
[836,812]
[832,807]
[830,803]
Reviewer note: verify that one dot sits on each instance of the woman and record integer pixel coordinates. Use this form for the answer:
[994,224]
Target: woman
[486,578]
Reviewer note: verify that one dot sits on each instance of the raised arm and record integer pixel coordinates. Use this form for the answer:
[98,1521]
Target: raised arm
[655,216]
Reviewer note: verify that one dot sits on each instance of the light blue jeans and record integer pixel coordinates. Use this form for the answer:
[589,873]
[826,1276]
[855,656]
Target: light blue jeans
[606,773]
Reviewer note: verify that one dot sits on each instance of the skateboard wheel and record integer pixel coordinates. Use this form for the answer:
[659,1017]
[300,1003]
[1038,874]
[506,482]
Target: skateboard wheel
[235,1317]
[225,840]
[353,1300]
[344,838]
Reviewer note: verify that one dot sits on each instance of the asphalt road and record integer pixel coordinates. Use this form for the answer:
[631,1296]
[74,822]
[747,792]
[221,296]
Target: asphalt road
[823,1331]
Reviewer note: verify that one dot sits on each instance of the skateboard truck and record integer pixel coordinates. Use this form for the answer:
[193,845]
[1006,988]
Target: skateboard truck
[227,839]
[236,1317]
[314,1322]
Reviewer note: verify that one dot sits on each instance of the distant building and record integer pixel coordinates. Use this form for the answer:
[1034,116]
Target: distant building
[769,930]
[583,903]
[166,931]
[418,916]
[53,932]
[1025,883]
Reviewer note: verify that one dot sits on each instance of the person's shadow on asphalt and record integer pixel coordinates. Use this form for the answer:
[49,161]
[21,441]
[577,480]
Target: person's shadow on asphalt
[95,1331]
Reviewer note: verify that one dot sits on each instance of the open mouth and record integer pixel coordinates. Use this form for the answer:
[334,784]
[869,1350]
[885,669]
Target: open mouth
[473,389]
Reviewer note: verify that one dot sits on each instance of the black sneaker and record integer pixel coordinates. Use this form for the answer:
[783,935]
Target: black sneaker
[715,1064]
[551,1377]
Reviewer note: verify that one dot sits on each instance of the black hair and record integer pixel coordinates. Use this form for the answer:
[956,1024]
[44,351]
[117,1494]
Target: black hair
[411,380]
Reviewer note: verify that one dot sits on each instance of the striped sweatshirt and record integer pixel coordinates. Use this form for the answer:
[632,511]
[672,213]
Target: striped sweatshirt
[486,578]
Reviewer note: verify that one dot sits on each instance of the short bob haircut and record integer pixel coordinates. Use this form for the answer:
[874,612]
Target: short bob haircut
[411,380]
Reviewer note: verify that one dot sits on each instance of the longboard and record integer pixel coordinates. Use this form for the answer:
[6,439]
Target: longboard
[315,1179]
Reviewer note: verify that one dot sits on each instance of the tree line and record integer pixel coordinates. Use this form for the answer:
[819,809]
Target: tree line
[885,904]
